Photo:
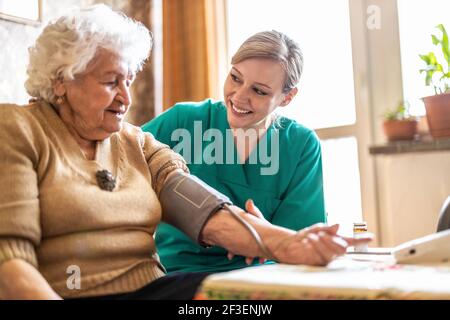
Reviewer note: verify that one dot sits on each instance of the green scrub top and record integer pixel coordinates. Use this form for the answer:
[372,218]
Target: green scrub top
[285,184]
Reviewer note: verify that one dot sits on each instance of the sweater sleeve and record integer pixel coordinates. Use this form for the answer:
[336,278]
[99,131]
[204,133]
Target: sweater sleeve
[161,161]
[20,229]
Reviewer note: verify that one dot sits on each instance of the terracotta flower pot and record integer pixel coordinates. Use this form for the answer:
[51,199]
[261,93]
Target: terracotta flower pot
[400,129]
[438,114]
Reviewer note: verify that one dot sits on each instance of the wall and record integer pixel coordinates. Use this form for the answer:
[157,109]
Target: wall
[15,38]
[412,189]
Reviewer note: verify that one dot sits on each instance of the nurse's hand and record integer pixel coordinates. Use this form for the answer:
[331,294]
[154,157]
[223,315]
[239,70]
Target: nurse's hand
[253,210]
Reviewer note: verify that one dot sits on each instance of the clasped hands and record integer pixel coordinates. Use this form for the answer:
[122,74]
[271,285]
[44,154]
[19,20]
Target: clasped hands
[316,245]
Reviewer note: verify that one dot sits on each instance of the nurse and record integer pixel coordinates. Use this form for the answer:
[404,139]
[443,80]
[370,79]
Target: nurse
[240,147]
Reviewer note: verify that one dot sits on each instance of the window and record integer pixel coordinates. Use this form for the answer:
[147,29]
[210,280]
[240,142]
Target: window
[341,182]
[417,21]
[326,99]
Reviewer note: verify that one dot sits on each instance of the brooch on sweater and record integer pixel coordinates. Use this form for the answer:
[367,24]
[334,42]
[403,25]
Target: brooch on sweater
[105,180]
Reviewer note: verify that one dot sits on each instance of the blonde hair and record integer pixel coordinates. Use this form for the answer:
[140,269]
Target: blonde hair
[66,46]
[276,46]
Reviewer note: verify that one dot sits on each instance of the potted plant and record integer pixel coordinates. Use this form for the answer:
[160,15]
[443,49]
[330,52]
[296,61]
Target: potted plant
[437,74]
[398,124]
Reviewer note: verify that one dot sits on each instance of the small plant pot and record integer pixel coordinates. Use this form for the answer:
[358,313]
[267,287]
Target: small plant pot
[438,114]
[400,129]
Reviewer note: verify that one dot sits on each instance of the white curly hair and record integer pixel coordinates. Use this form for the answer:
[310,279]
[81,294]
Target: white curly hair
[66,46]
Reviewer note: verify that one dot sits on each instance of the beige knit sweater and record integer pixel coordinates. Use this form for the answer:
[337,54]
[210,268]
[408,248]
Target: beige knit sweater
[54,215]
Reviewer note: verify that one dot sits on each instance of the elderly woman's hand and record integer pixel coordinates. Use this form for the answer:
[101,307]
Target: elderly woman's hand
[316,245]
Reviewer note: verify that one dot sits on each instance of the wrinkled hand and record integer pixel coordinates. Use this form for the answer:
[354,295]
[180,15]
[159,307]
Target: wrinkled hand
[316,245]
[253,210]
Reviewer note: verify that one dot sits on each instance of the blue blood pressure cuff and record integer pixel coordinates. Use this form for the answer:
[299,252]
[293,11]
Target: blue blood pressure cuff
[187,203]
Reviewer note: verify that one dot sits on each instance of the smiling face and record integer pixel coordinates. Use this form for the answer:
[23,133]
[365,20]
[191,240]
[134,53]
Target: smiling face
[97,100]
[252,91]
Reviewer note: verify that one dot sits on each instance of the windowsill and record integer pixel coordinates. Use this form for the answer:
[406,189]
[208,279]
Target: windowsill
[424,144]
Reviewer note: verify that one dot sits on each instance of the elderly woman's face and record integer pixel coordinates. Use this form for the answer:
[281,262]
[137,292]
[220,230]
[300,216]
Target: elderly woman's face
[99,98]
[252,91]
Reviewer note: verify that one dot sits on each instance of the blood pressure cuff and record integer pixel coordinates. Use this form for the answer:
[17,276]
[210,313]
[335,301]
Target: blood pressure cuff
[187,203]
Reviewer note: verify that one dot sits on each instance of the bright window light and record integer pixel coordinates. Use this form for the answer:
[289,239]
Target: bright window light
[322,29]
[341,182]
[417,21]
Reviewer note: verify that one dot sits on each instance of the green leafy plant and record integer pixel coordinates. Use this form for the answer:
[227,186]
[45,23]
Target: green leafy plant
[434,68]
[401,112]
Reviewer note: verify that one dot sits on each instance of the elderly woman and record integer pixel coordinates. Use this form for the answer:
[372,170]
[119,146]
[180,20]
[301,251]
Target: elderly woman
[83,191]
